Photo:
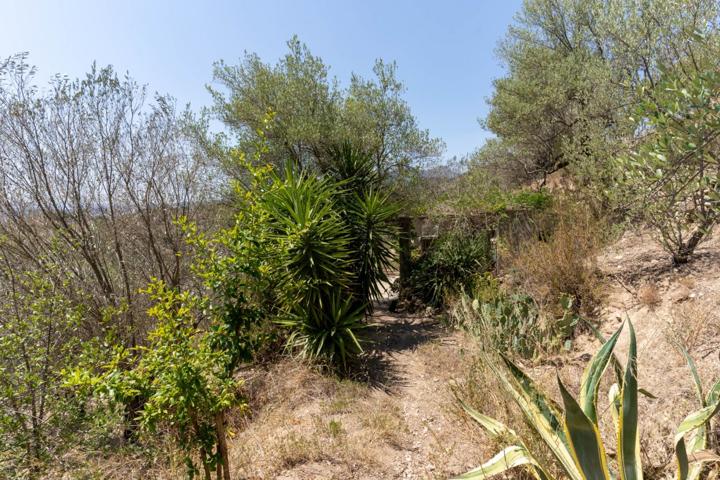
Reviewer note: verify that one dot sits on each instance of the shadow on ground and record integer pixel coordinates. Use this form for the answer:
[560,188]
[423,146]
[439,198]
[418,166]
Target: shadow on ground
[391,334]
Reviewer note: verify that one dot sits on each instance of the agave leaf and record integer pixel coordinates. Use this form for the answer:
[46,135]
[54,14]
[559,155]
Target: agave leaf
[617,367]
[511,457]
[714,394]
[541,414]
[693,371]
[698,441]
[585,442]
[693,421]
[628,438]
[493,427]
[593,374]
[614,398]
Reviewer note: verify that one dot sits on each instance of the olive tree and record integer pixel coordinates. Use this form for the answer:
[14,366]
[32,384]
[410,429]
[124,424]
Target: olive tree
[675,172]
[301,113]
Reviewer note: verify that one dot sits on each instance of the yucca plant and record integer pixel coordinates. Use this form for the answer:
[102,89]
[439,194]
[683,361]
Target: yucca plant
[369,213]
[328,328]
[370,216]
[574,438]
[303,217]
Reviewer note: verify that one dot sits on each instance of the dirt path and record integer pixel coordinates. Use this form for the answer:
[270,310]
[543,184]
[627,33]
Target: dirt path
[425,359]
[398,420]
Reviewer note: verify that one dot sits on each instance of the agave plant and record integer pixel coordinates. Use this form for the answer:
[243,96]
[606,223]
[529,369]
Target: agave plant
[574,438]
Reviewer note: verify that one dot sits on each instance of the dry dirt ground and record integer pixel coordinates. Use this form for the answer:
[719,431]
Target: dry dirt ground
[666,305]
[399,420]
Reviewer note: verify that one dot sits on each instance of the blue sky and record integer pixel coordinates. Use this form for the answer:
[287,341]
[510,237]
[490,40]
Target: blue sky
[445,50]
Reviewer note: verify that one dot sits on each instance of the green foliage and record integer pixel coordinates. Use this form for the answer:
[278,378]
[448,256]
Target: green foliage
[39,337]
[676,172]
[312,114]
[327,326]
[450,265]
[186,383]
[327,243]
[574,69]
[370,216]
[574,438]
[513,324]
[314,239]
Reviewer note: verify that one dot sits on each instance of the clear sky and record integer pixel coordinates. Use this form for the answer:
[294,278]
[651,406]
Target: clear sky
[445,49]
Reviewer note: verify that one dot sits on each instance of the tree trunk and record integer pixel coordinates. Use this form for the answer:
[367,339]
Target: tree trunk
[132,409]
[222,445]
[686,250]
[205,463]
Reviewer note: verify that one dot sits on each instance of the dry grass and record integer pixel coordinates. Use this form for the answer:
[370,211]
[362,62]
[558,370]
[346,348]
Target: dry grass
[649,295]
[693,324]
[309,420]
[563,263]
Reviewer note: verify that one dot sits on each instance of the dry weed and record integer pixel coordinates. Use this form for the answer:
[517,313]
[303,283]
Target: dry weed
[649,295]
[695,325]
[562,262]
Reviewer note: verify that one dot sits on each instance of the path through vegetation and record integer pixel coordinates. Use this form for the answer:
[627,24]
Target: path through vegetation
[398,421]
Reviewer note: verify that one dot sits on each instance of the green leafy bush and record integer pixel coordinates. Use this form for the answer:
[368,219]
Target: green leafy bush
[573,438]
[673,178]
[186,384]
[39,337]
[450,266]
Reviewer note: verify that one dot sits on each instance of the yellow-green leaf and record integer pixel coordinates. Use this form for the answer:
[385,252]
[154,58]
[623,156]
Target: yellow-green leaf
[628,437]
[585,442]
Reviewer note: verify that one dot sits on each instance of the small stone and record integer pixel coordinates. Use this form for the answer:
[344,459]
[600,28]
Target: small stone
[680,293]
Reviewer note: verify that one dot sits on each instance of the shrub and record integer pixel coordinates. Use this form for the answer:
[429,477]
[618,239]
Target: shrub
[39,330]
[562,262]
[574,438]
[314,240]
[331,240]
[369,215]
[450,266]
[675,174]
[186,383]
[327,328]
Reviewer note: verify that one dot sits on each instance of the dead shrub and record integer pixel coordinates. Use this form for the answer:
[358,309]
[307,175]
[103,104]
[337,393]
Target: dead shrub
[695,325]
[649,295]
[562,261]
